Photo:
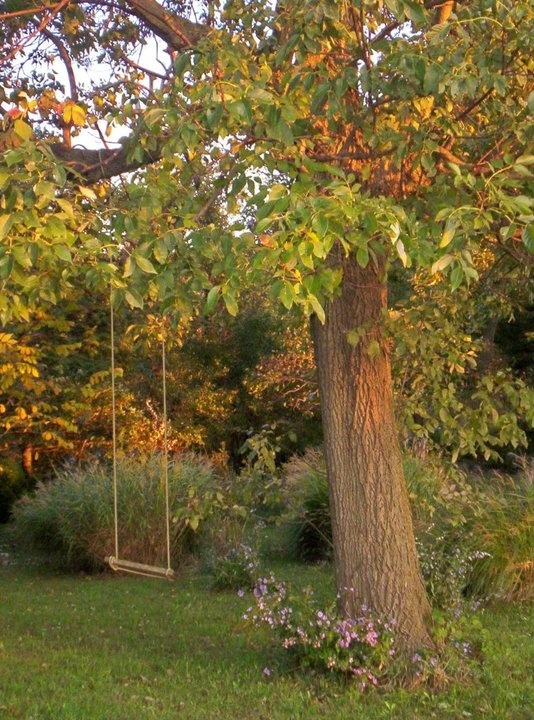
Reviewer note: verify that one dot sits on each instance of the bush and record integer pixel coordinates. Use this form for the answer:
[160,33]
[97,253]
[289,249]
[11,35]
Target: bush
[71,518]
[361,649]
[309,529]
[475,534]
[305,491]
[13,484]
[235,568]
[229,549]
[495,530]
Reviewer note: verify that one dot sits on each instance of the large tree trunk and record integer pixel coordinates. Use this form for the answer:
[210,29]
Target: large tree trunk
[374,545]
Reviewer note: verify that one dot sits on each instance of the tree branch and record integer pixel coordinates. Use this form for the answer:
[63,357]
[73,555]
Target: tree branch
[102,164]
[66,61]
[177,31]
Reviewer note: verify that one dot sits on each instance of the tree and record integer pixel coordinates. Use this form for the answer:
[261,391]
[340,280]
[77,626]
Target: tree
[358,134]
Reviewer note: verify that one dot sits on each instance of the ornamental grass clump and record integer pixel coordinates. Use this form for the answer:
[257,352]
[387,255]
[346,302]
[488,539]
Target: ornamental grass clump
[361,648]
[69,520]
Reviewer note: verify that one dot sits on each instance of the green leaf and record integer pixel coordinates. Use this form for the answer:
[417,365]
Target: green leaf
[59,175]
[373,349]
[362,256]
[320,224]
[414,12]
[134,299]
[528,238]
[448,234]
[153,116]
[230,301]
[145,265]
[263,224]
[160,251]
[6,222]
[456,277]
[63,253]
[433,74]
[354,337]
[212,298]
[277,191]
[525,160]
[194,522]
[317,308]
[286,295]
[182,63]
[319,98]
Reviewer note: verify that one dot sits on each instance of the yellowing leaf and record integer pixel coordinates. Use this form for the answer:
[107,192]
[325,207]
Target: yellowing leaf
[87,192]
[78,115]
[424,106]
[145,265]
[22,129]
[74,114]
[441,264]
[448,234]
[401,252]
[317,308]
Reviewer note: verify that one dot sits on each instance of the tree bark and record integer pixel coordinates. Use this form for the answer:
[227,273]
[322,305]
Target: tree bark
[374,546]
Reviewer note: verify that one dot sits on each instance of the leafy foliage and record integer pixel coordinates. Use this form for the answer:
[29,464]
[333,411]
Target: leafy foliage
[335,135]
[359,648]
[474,532]
[13,483]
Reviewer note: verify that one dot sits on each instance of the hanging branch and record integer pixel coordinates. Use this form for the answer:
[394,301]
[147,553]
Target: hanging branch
[66,61]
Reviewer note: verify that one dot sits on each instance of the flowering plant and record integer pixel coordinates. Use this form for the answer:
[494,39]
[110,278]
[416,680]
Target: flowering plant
[361,648]
[235,568]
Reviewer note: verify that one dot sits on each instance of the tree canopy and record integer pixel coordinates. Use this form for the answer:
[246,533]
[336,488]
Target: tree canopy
[318,145]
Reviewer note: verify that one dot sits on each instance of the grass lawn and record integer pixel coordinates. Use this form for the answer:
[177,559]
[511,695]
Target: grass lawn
[113,648]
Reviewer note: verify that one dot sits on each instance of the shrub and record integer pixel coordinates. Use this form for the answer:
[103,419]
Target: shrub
[361,649]
[309,530]
[475,533]
[71,518]
[497,530]
[229,549]
[234,568]
[13,484]
[305,492]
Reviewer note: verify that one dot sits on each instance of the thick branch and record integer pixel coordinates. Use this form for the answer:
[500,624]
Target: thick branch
[94,165]
[177,31]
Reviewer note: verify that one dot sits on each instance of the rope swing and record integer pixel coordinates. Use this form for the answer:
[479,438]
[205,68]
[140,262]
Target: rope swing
[115,562]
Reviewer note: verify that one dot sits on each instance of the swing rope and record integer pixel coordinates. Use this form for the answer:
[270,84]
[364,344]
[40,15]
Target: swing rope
[114,562]
[166,453]
[114,433]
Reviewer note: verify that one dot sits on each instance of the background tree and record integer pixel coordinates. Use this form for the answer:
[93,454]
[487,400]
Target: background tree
[393,134]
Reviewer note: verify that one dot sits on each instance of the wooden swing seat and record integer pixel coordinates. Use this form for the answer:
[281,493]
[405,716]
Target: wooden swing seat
[140,568]
[113,561]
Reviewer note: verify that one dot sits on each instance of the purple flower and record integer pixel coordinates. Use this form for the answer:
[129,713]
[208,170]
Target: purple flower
[267,672]
[240,593]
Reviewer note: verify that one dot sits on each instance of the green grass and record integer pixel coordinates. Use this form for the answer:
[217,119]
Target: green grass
[111,648]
